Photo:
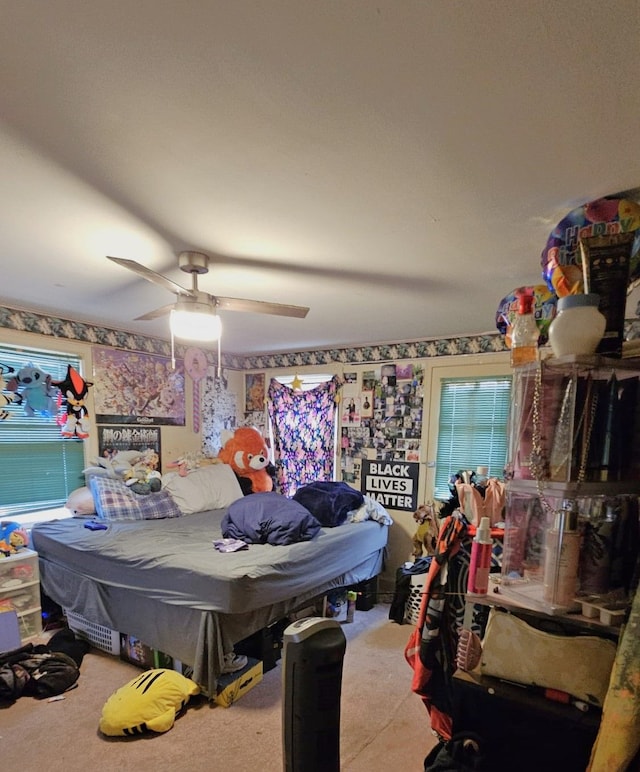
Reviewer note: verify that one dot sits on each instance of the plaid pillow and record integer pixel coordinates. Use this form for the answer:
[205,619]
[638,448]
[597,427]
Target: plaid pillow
[158,505]
[115,501]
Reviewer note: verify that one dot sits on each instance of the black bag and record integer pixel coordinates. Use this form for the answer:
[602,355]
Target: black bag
[462,753]
[35,671]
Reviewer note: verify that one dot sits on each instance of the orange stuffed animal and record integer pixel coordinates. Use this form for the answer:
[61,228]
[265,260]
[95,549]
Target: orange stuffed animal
[246,452]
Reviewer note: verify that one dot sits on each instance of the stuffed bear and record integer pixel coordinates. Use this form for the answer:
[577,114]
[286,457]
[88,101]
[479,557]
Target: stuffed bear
[246,452]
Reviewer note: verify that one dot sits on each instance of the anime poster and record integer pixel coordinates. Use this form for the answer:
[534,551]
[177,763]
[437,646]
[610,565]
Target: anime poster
[254,392]
[112,439]
[136,388]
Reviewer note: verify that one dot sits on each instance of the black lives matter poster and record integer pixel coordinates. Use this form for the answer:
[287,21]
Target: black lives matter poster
[394,484]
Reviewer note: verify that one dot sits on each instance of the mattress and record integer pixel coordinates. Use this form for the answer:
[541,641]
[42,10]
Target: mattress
[164,581]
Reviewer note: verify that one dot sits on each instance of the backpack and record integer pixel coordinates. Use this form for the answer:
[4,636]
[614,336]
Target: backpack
[35,671]
[462,753]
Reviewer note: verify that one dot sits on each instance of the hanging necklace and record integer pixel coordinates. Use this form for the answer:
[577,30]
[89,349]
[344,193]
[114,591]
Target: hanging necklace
[539,463]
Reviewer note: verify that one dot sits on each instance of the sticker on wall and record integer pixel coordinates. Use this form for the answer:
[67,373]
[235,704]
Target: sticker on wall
[195,363]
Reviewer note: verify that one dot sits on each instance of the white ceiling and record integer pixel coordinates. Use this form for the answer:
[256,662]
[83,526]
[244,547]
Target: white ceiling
[395,165]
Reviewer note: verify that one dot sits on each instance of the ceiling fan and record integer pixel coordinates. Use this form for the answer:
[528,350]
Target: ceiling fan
[194,315]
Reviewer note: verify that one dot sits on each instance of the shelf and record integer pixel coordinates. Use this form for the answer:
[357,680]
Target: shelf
[6,591]
[496,596]
[25,612]
[530,698]
[592,362]
[574,489]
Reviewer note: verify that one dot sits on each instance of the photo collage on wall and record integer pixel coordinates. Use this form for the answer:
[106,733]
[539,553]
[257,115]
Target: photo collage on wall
[381,417]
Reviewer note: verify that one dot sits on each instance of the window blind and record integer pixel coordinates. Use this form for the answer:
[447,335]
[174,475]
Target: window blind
[39,467]
[472,430]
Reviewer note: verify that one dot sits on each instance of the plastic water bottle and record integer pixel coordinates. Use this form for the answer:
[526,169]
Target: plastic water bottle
[524,333]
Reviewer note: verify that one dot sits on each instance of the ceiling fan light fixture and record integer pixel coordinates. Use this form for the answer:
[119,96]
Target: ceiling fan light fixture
[195,321]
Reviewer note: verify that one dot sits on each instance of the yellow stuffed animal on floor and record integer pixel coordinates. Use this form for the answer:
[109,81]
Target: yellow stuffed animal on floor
[150,702]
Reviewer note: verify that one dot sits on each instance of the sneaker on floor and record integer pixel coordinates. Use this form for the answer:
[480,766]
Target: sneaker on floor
[234,662]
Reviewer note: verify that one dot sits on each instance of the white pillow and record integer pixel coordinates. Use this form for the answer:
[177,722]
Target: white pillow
[209,487]
[80,502]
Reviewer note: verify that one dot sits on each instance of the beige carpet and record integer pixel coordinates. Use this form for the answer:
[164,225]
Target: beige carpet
[384,726]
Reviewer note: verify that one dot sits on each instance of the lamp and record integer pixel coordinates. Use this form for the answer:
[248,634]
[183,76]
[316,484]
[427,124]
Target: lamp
[193,320]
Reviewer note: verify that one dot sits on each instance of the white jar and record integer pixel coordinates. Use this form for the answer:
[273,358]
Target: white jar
[578,326]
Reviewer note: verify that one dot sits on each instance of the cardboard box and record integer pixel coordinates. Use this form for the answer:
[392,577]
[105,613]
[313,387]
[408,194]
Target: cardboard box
[231,686]
[132,650]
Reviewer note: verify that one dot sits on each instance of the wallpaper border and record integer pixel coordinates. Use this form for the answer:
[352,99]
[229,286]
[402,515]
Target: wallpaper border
[34,322]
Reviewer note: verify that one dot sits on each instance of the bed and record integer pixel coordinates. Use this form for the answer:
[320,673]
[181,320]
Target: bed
[163,581]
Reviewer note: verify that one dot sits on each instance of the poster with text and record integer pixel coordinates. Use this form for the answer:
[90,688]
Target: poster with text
[394,484]
[135,388]
[112,439]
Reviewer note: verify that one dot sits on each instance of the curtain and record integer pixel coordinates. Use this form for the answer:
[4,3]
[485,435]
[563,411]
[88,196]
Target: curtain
[303,425]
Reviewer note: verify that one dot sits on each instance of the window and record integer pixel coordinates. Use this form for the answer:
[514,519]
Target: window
[472,427]
[39,467]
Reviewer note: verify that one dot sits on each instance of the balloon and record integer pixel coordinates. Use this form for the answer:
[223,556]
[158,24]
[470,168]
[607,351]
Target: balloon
[544,308]
[561,267]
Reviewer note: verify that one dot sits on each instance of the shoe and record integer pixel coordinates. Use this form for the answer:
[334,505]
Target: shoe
[234,662]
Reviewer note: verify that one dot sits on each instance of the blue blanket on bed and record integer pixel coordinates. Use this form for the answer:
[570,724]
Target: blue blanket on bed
[329,502]
[269,518]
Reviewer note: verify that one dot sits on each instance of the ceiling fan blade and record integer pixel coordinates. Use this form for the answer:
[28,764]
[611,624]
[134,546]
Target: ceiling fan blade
[260,307]
[162,311]
[150,275]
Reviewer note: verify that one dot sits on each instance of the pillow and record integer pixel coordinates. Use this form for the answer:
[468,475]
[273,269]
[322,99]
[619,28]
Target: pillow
[209,487]
[269,518]
[149,702]
[158,505]
[80,502]
[329,502]
[115,501]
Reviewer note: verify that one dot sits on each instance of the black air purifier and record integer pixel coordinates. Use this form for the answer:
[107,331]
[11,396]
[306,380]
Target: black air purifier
[313,652]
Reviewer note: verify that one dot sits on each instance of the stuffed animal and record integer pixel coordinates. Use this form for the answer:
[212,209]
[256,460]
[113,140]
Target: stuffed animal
[150,702]
[143,477]
[190,461]
[114,465]
[6,399]
[36,391]
[425,538]
[246,452]
[74,393]
[13,538]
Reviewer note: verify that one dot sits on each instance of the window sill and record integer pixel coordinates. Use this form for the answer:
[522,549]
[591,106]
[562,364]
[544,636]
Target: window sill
[30,519]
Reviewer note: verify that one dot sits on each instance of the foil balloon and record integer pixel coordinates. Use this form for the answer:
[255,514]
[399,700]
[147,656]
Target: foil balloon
[560,259]
[544,309]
